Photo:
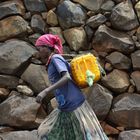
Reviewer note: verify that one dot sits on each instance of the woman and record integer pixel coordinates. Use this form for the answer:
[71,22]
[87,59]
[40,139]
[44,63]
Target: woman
[73,119]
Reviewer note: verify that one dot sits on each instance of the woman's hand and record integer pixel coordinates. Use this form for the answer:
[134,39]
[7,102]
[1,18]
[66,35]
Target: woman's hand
[40,96]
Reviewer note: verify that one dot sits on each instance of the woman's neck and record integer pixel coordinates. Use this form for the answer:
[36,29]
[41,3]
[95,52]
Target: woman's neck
[49,58]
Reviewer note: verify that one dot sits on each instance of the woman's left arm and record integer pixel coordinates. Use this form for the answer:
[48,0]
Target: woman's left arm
[65,78]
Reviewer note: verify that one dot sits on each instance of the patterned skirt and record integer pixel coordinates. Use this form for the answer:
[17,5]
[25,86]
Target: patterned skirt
[81,124]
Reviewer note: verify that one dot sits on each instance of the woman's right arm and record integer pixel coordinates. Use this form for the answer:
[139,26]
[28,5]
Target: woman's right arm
[65,78]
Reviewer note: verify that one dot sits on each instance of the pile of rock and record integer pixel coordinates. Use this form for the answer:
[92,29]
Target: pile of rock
[109,29]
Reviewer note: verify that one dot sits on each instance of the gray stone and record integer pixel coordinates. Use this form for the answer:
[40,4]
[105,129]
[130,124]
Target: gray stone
[136,78]
[36,76]
[15,26]
[123,17]
[130,135]
[93,5]
[20,135]
[117,81]
[70,14]
[76,38]
[35,5]
[96,20]
[119,61]
[8,81]
[21,111]
[10,8]
[100,100]
[125,111]
[14,54]
[136,60]
[38,24]
[108,40]
[108,6]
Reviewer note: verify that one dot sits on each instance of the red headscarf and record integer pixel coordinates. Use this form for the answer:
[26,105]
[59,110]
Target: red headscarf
[51,40]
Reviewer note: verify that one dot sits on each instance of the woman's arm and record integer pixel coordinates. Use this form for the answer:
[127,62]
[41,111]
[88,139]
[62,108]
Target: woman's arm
[65,78]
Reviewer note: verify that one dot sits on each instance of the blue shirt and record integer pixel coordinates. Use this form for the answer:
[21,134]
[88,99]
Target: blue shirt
[69,96]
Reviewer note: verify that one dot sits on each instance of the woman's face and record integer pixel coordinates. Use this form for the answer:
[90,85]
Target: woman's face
[43,54]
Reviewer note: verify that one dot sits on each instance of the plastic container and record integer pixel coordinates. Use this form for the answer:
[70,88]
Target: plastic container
[79,67]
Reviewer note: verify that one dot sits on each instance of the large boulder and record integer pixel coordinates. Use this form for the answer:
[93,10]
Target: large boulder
[13,26]
[9,8]
[36,76]
[20,135]
[35,5]
[108,40]
[119,61]
[136,78]
[135,56]
[96,20]
[13,54]
[8,81]
[100,100]
[137,7]
[76,38]
[93,5]
[125,111]
[70,14]
[130,135]
[117,81]
[38,24]
[21,111]
[123,17]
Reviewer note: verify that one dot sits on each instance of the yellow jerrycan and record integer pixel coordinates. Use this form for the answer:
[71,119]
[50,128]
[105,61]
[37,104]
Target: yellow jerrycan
[83,64]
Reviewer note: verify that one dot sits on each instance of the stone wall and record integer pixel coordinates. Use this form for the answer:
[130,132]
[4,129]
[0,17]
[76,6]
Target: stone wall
[110,29]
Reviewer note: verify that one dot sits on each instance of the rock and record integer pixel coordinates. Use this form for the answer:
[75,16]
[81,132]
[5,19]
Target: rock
[36,76]
[24,90]
[130,135]
[21,111]
[15,26]
[131,89]
[123,17]
[76,38]
[13,55]
[138,34]
[7,81]
[89,32]
[108,67]
[119,61]
[108,40]
[52,18]
[38,24]
[108,129]
[34,37]
[5,129]
[137,8]
[117,81]
[51,3]
[70,14]
[136,60]
[136,78]
[9,8]
[27,16]
[35,6]
[96,20]
[57,31]
[125,111]
[100,100]
[3,93]
[93,5]
[108,6]
[20,135]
